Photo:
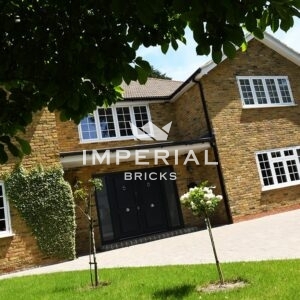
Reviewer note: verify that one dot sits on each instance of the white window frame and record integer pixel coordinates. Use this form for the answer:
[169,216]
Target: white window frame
[8,231]
[282,159]
[266,91]
[118,137]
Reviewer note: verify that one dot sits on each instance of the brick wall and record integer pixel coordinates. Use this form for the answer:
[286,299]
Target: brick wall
[197,174]
[68,137]
[20,250]
[242,132]
[189,115]
[184,177]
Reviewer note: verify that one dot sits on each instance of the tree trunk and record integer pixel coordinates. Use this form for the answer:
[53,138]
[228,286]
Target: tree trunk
[208,226]
[92,243]
[93,252]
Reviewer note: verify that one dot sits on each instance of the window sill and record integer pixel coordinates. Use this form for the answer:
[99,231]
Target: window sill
[7,235]
[118,139]
[268,106]
[276,187]
[106,140]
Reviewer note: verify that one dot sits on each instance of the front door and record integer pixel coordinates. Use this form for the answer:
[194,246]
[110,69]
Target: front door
[130,208]
[139,205]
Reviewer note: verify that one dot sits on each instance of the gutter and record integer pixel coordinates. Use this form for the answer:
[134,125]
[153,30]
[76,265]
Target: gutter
[141,146]
[195,78]
[147,151]
[215,148]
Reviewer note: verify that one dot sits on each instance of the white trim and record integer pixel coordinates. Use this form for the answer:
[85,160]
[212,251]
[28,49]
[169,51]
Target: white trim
[282,49]
[268,106]
[81,140]
[268,41]
[282,185]
[266,91]
[118,137]
[282,159]
[8,231]
[73,161]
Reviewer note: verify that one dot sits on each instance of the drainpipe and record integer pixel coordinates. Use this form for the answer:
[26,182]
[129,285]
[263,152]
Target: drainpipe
[215,150]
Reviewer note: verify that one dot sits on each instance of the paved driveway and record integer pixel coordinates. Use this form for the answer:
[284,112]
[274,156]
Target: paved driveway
[272,237]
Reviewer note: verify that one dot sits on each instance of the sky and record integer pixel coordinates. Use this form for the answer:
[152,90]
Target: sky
[180,64]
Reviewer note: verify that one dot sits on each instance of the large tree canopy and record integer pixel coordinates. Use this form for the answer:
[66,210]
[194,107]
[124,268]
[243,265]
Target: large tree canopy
[72,55]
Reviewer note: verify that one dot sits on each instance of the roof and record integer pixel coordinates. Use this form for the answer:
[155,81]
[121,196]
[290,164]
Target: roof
[268,41]
[171,90]
[153,88]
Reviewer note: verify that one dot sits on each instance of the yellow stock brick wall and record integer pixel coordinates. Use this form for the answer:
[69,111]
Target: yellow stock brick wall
[20,250]
[189,114]
[196,173]
[68,136]
[241,132]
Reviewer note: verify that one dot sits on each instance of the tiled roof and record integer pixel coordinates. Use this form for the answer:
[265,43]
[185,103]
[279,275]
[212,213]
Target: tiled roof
[153,88]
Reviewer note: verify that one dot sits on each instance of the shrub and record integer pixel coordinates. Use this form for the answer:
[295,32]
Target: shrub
[45,201]
[201,199]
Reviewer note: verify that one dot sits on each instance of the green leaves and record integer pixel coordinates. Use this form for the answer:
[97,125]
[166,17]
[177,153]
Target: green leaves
[201,199]
[25,146]
[5,141]
[216,56]
[50,48]
[3,155]
[143,70]
[229,49]
[164,48]
[251,22]
[44,200]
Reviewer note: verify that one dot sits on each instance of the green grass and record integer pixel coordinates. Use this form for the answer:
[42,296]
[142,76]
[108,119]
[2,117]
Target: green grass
[266,280]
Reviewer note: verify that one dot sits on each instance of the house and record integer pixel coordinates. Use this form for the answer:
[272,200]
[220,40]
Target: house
[236,125]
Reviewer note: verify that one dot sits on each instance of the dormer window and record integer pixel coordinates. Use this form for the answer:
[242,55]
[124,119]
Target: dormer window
[113,123]
[265,91]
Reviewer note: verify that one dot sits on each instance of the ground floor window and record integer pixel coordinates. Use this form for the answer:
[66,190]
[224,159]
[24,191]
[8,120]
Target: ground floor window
[279,167]
[5,228]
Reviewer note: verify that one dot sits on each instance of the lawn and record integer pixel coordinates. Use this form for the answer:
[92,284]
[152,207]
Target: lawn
[265,280]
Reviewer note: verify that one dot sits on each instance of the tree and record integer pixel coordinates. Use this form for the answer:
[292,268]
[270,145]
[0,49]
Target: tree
[202,202]
[71,55]
[84,194]
[154,73]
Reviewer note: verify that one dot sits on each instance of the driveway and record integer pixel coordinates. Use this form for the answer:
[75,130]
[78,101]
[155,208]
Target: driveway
[267,238]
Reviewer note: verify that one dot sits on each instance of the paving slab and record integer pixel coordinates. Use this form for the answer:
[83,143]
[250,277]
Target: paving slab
[266,238]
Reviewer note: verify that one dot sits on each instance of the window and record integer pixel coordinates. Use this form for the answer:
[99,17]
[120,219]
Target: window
[279,167]
[114,123]
[5,228]
[261,91]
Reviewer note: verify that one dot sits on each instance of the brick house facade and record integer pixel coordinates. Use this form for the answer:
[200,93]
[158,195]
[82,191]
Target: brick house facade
[243,114]
[18,246]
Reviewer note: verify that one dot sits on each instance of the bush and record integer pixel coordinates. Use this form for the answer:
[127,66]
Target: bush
[45,201]
[201,199]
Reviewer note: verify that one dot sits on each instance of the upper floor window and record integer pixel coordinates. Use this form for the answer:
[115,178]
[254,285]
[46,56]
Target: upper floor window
[279,167]
[262,91]
[114,123]
[5,228]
